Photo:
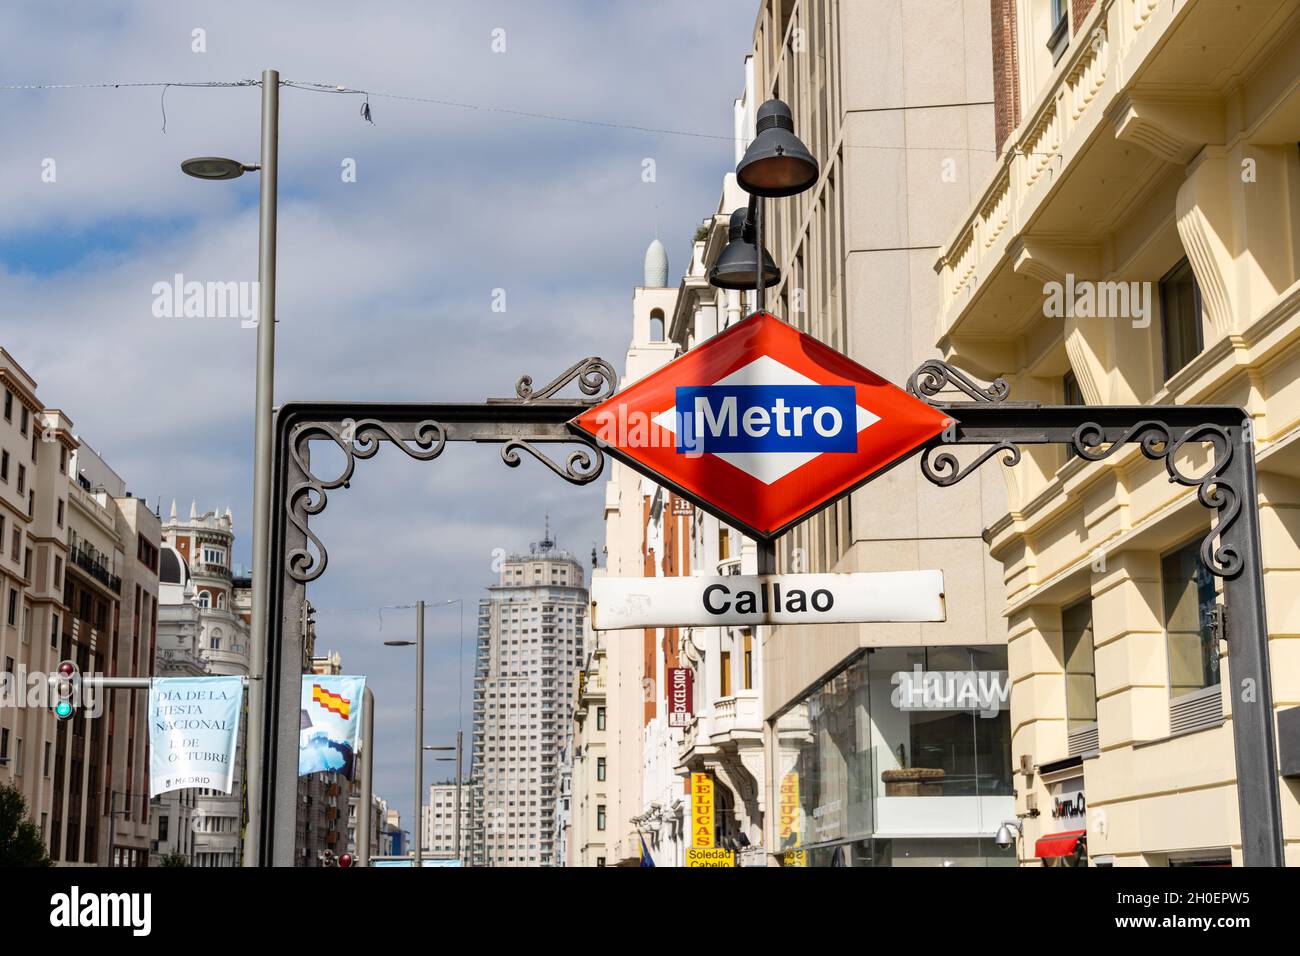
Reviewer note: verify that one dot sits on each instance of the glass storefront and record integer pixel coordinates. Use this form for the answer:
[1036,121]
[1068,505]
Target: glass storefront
[901,758]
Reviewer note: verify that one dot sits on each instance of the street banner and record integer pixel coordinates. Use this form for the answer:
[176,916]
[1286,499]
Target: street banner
[193,732]
[331,721]
[864,597]
[702,810]
[681,696]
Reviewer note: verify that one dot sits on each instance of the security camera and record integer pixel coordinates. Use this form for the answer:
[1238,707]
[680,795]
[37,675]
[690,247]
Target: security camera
[1007,833]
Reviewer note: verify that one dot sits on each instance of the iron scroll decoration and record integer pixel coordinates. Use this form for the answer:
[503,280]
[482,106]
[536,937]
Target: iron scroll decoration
[1156,439]
[594,377]
[929,381]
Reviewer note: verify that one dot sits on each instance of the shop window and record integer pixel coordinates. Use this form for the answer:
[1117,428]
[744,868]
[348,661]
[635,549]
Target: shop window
[897,724]
[1180,317]
[1080,677]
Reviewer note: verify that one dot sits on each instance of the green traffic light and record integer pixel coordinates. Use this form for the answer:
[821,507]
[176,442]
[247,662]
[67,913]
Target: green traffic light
[63,709]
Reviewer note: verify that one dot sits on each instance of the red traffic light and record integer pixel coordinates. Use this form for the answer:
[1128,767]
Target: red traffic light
[345,859]
[67,669]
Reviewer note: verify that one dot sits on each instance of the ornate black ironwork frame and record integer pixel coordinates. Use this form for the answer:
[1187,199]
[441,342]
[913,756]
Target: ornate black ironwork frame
[535,418]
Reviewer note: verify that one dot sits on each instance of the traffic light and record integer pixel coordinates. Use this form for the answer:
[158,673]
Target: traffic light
[345,860]
[65,690]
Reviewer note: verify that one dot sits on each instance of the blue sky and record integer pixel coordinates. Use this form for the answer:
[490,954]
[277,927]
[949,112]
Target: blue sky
[385,284]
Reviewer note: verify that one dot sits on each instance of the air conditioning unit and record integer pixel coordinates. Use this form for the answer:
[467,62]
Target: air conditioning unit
[1027,764]
[1031,804]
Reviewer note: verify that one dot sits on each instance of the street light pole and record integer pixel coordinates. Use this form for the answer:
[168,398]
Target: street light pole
[456,819]
[263,402]
[419,733]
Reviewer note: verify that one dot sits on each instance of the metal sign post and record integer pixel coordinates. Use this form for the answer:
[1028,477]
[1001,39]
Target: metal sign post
[535,419]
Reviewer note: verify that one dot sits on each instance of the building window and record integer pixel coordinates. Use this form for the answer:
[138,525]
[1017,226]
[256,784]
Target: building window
[1080,672]
[58,574]
[600,768]
[9,405]
[205,599]
[45,768]
[724,667]
[24,419]
[1059,38]
[4,466]
[59,516]
[1187,588]
[656,325]
[54,630]
[600,816]
[22,478]
[600,718]
[749,660]
[12,616]
[1180,317]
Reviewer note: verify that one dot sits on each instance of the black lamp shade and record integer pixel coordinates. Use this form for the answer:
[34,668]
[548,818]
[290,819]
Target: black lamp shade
[777,162]
[737,264]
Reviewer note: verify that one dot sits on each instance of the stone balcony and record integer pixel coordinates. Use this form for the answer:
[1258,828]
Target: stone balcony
[1144,84]
[736,718]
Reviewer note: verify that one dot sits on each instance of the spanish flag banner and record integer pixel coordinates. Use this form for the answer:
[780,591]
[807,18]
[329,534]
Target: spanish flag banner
[331,723]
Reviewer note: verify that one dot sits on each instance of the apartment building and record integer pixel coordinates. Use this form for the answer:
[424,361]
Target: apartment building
[589,813]
[529,649]
[31,524]
[439,822]
[103,512]
[78,581]
[1147,148]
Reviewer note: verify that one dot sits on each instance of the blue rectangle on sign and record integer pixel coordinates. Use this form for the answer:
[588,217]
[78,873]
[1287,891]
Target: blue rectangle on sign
[766,418]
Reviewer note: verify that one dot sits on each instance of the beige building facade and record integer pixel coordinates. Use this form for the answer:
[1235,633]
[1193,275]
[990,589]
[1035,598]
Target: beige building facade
[893,99]
[1136,241]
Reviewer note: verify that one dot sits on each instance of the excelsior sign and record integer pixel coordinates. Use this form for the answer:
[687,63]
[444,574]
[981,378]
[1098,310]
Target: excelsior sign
[860,597]
[762,425]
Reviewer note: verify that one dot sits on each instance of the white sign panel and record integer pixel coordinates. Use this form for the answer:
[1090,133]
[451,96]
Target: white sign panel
[193,727]
[863,597]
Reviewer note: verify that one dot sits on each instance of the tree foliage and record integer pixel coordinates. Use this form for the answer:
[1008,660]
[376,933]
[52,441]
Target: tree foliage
[20,839]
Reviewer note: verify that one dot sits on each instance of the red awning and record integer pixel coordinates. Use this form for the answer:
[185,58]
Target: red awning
[1058,844]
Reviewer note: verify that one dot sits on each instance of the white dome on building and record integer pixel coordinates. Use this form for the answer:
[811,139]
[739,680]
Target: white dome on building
[656,266]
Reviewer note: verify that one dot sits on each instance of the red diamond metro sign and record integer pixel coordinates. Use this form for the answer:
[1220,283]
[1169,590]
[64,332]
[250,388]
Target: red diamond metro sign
[761,425]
